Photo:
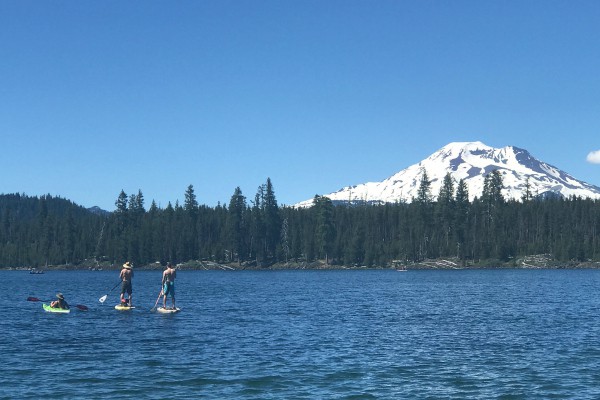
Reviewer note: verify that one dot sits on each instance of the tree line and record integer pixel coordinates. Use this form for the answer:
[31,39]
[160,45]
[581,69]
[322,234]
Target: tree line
[35,231]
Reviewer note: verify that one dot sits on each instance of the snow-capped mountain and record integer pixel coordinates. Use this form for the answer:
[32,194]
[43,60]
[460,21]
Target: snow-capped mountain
[470,161]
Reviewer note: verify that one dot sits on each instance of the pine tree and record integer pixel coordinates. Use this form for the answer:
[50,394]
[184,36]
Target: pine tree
[325,228]
[527,196]
[272,220]
[257,231]
[492,202]
[190,203]
[423,224]
[445,209]
[236,225]
[189,225]
[121,203]
[461,216]
[136,204]
[284,239]
[492,189]
[424,191]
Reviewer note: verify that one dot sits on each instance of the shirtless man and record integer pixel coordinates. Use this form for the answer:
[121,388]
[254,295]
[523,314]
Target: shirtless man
[126,276]
[168,284]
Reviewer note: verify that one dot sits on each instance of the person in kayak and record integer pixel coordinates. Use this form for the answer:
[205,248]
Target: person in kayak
[168,284]
[126,277]
[60,303]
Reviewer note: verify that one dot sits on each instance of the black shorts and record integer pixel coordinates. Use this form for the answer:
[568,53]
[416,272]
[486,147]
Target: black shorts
[126,287]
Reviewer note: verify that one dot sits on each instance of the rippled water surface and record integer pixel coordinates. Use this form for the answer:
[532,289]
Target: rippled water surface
[507,334]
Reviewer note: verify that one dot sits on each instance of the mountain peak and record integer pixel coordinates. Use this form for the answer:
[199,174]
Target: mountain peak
[461,146]
[471,162]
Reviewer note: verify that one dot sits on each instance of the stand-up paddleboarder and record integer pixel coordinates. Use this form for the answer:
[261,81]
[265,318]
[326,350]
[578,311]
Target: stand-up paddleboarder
[168,284]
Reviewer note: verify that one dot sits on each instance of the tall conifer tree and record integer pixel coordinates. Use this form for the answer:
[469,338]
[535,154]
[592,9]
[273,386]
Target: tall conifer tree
[236,226]
[272,219]
[325,227]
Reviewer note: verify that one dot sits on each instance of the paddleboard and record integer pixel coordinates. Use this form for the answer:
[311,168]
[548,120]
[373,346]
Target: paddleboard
[55,310]
[123,308]
[167,310]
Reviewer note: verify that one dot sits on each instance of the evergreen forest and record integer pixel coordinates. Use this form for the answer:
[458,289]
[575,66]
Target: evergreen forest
[257,232]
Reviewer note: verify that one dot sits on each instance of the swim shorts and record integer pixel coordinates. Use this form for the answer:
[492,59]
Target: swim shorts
[169,288]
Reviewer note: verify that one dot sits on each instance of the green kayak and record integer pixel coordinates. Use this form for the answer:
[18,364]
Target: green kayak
[55,310]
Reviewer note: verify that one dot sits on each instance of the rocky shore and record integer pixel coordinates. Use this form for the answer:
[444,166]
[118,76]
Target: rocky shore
[538,261]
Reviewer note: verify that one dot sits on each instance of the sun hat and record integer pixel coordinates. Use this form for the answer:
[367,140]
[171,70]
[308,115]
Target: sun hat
[60,296]
[127,265]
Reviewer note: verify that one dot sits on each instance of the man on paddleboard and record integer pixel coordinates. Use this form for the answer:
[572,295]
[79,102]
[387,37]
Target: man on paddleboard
[126,276]
[168,283]
[60,303]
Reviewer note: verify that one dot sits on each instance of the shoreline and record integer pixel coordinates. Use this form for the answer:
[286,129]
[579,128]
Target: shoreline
[543,261]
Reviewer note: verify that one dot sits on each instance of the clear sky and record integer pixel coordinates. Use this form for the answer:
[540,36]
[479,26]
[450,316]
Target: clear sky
[102,96]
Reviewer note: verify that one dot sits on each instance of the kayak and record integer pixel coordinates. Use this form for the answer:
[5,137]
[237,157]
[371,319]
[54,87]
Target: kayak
[168,310]
[55,310]
[123,308]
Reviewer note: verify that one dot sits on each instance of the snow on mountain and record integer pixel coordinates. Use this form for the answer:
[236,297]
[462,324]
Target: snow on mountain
[470,161]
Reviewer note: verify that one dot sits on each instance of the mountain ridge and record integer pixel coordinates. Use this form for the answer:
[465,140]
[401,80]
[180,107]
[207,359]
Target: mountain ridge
[470,161]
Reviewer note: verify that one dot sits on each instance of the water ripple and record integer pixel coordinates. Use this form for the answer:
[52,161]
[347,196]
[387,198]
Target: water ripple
[310,334]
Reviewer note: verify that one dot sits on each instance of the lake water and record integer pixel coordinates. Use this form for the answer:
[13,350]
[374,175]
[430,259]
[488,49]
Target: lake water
[481,334]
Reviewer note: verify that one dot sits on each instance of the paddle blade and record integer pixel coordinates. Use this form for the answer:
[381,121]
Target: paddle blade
[103,298]
[82,308]
[33,299]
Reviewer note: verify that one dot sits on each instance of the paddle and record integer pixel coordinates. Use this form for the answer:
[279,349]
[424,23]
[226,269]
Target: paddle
[79,306]
[158,298]
[103,298]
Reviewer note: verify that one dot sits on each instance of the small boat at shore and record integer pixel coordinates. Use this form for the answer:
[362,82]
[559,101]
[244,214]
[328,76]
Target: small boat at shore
[36,271]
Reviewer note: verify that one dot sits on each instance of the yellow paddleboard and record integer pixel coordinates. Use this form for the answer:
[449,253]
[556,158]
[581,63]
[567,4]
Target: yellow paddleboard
[123,308]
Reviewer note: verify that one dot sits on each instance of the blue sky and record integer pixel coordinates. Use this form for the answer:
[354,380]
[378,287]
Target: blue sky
[102,96]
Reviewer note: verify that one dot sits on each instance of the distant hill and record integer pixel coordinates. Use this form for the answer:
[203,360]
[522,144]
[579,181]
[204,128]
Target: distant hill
[99,211]
[26,207]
